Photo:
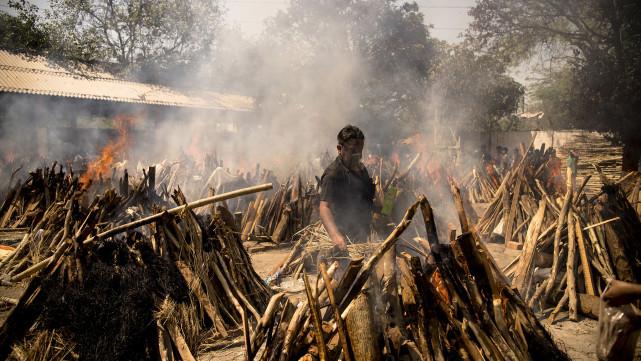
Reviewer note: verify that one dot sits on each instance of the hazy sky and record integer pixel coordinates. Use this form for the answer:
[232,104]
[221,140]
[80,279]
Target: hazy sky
[448,17]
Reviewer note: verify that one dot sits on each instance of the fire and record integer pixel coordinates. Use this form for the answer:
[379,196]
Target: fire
[102,164]
[194,150]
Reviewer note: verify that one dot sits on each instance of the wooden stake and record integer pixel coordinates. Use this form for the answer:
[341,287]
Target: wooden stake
[585,263]
[570,268]
[313,307]
[340,325]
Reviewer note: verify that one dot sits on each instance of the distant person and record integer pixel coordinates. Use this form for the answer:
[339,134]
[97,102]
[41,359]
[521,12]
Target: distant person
[555,182]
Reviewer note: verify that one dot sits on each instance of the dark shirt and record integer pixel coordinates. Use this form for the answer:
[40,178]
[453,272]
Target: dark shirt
[350,195]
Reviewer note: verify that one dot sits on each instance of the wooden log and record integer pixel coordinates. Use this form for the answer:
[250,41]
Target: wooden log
[179,340]
[525,266]
[249,353]
[460,209]
[556,264]
[585,263]
[570,268]
[266,321]
[281,227]
[557,309]
[210,309]
[390,241]
[165,350]
[409,269]
[361,326]
[312,302]
[511,215]
[589,305]
[340,325]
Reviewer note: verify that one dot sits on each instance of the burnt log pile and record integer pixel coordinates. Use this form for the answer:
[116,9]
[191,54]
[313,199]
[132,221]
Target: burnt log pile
[575,246]
[124,276]
[455,304]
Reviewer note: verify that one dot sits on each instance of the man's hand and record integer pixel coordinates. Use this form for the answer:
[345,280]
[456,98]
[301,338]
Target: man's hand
[327,217]
[340,242]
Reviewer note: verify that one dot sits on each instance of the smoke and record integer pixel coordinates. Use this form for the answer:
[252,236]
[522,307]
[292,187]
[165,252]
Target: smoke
[317,67]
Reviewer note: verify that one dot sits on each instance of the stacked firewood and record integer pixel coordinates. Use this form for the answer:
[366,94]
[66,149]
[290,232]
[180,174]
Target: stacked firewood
[455,304]
[124,277]
[278,216]
[574,247]
[480,186]
[515,201]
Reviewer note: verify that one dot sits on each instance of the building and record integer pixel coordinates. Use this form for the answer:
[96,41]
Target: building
[61,110]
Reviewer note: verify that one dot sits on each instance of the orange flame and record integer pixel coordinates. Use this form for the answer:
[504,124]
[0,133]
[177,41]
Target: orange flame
[194,150]
[101,165]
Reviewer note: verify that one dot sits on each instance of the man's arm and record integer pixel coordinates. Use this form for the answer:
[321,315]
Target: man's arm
[327,217]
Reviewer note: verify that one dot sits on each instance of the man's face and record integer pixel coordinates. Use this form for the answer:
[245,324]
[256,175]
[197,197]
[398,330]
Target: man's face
[351,152]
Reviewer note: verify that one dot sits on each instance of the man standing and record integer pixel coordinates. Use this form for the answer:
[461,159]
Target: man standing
[347,193]
[346,206]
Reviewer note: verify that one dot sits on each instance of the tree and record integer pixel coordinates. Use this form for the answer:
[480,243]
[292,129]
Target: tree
[373,58]
[22,32]
[596,41]
[140,37]
[473,91]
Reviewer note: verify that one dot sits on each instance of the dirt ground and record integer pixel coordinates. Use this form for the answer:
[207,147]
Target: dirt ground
[578,339]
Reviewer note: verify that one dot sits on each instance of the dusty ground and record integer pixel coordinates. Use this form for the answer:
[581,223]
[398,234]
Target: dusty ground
[578,339]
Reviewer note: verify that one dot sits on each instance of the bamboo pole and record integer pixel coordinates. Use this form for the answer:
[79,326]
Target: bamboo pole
[141,222]
[176,210]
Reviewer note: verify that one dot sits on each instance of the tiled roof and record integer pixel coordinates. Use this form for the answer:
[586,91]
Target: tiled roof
[35,75]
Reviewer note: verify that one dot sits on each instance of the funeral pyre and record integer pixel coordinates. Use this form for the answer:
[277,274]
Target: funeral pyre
[452,303]
[123,275]
[572,243]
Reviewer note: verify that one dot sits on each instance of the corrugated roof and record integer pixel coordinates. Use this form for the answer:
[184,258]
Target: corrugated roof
[36,75]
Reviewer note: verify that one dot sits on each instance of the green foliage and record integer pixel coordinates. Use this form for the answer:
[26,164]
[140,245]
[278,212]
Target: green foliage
[552,95]
[22,32]
[138,37]
[597,46]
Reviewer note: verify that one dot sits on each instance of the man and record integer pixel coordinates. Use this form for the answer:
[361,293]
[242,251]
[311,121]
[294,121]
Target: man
[346,206]
[347,192]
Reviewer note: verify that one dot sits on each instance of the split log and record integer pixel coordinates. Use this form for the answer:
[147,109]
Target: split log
[570,268]
[340,324]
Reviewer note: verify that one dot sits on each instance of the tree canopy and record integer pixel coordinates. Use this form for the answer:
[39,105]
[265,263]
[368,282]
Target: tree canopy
[371,60]
[141,38]
[473,90]
[595,46]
